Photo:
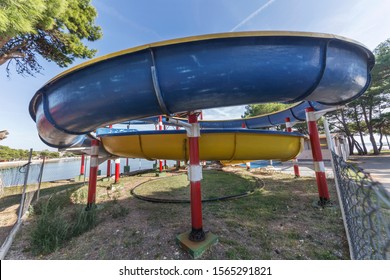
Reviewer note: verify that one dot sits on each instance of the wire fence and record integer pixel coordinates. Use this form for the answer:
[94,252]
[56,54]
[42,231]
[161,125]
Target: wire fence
[366,207]
[27,193]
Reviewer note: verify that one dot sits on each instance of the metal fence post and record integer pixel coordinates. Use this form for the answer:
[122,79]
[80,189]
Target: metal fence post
[24,187]
[331,148]
[40,177]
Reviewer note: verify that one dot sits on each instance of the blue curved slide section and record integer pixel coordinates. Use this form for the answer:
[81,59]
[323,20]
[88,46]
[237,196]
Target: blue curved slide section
[196,73]
[295,113]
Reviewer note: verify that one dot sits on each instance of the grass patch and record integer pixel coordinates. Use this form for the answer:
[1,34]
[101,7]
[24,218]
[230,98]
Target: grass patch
[215,184]
[277,221]
[53,227]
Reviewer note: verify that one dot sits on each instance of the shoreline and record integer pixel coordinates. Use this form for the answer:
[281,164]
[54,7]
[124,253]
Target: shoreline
[6,164]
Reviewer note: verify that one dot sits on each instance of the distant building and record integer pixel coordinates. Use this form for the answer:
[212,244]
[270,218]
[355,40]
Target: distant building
[340,143]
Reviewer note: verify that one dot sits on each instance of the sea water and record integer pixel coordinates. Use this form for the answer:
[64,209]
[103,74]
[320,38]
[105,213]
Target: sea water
[64,169]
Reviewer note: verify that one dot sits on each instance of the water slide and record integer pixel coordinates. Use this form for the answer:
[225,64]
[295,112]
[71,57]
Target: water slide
[296,113]
[214,144]
[196,73]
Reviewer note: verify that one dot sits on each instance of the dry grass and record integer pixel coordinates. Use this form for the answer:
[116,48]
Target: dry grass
[276,222]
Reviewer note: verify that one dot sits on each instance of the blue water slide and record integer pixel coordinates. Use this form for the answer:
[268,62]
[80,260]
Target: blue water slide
[200,72]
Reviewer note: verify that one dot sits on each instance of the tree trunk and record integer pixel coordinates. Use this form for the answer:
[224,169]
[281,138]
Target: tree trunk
[351,140]
[380,139]
[358,147]
[367,119]
[351,146]
[360,130]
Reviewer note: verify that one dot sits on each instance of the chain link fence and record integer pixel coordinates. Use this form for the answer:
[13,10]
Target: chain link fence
[14,177]
[366,207]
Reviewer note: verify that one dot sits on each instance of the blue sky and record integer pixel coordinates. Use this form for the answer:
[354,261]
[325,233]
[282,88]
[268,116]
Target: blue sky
[128,23]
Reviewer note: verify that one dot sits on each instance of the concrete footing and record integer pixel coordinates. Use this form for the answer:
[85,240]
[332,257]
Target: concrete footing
[196,249]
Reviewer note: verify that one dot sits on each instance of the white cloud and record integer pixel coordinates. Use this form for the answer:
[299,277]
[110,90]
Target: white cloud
[234,112]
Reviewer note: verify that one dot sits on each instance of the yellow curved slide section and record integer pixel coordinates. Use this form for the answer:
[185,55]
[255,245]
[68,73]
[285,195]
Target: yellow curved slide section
[212,146]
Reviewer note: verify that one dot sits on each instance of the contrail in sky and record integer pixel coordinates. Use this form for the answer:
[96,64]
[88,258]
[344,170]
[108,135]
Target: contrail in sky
[255,13]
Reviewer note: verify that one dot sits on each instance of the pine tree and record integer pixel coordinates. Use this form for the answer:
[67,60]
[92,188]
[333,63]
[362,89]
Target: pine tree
[52,29]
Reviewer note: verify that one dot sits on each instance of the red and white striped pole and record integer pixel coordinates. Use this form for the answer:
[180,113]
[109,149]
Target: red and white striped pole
[117,170]
[195,176]
[109,162]
[165,161]
[178,161]
[295,160]
[160,125]
[319,166]
[94,164]
[82,166]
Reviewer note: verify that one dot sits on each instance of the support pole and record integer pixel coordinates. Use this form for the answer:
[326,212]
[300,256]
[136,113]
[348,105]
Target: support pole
[82,165]
[108,168]
[117,170]
[165,161]
[94,164]
[108,162]
[295,160]
[319,166]
[177,162]
[160,125]
[195,176]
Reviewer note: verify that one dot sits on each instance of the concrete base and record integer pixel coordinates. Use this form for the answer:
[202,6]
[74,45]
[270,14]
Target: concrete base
[196,249]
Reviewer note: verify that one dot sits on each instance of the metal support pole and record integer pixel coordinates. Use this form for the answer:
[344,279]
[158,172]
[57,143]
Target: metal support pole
[82,165]
[86,164]
[108,161]
[160,125]
[319,166]
[295,160]
[165,161]
[178,161]
[108,168]
[94,164]
[117,170]
[195,176]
